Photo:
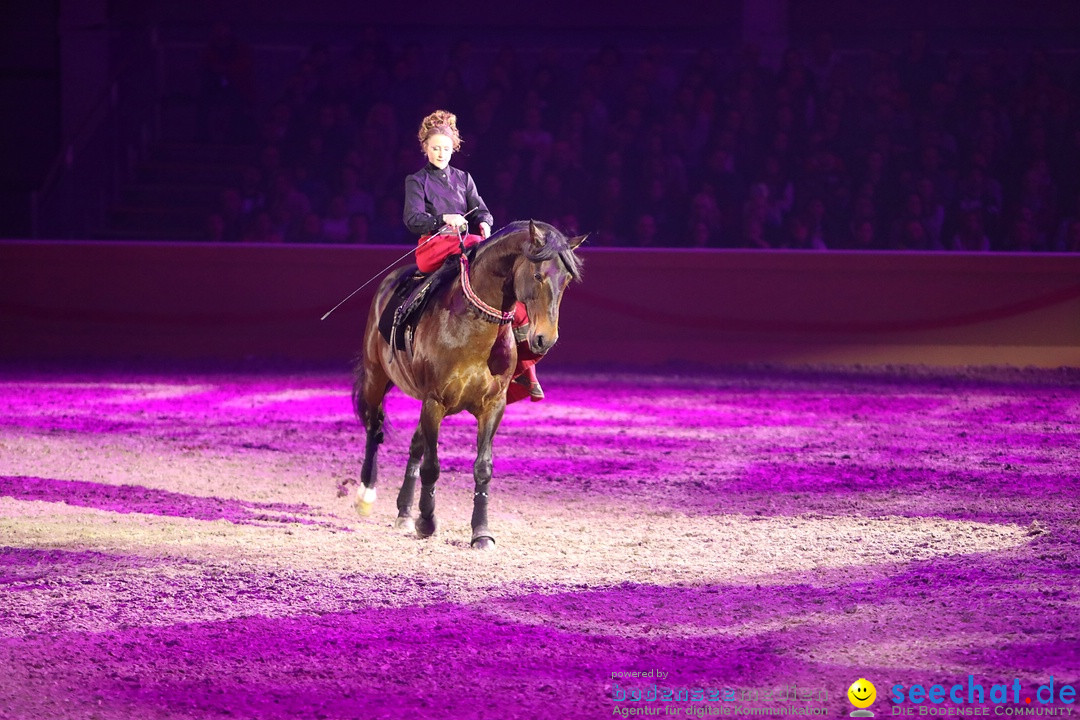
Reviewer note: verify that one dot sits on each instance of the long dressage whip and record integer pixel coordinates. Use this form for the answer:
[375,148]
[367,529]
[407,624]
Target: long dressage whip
[378,274]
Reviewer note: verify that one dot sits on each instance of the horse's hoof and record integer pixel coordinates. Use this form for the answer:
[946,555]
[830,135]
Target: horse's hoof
[483,542]
[405,523]
[365,501]
[425,527]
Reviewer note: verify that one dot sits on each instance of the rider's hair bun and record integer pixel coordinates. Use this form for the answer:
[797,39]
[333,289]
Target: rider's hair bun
[440,122]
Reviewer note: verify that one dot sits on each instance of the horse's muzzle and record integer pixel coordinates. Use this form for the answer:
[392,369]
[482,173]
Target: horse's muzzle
[540,343]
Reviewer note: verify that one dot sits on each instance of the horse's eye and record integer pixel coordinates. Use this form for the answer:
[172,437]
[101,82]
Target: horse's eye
[538,276]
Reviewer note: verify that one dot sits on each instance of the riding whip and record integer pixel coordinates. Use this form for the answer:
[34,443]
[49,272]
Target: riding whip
[376,275]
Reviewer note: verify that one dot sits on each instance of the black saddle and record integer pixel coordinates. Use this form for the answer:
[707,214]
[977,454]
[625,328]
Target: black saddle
[410,299]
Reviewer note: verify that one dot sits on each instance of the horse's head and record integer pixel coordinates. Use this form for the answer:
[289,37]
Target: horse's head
[546,267]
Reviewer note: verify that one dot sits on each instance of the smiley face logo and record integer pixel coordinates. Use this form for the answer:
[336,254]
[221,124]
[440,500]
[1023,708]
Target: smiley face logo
[862,693]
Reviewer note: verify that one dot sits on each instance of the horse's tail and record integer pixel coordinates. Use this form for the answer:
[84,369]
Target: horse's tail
[373,418]
[359,402]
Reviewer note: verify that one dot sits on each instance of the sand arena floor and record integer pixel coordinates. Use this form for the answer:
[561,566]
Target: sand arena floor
[173,545]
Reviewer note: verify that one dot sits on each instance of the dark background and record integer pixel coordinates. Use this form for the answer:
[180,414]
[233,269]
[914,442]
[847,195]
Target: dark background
[57,58]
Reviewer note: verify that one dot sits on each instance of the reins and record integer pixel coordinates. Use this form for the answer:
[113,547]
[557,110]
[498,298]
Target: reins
[489,313]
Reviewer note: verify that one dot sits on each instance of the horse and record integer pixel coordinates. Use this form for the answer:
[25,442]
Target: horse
[463,356]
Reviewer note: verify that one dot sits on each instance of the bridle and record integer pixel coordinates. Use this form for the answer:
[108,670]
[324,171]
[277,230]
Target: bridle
[486,311]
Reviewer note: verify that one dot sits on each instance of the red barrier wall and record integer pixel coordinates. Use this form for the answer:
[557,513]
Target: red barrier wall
[101,300]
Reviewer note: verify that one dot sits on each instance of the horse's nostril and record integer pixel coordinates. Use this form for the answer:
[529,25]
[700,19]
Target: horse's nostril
[544,342]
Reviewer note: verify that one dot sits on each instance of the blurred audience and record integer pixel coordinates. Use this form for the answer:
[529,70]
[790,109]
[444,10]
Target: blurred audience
[928,148]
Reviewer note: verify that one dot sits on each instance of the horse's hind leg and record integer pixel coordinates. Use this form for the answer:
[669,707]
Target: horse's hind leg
[369,390]
[487,424]
[431,417]
[408,487]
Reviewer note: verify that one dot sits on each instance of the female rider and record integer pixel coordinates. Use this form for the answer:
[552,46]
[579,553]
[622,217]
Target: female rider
[438,198]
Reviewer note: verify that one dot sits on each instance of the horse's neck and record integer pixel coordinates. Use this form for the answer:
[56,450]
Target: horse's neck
[492,274]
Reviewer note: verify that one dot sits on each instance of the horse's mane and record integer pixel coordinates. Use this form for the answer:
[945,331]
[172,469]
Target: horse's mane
[556,245]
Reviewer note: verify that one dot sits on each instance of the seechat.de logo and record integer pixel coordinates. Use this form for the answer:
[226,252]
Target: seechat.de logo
[862,694]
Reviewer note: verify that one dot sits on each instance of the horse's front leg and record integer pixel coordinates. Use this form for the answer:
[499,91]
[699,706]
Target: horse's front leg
[487,425]
[431,417]
[408,487]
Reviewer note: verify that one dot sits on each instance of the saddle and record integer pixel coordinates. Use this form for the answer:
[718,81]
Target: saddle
[410,299]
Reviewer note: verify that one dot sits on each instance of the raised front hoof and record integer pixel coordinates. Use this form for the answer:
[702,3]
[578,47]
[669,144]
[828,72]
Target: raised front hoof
[425,527]
[365,501]
[405,523]
[483,542]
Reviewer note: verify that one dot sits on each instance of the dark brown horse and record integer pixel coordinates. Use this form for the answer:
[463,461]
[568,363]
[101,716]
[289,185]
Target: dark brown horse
[463,357]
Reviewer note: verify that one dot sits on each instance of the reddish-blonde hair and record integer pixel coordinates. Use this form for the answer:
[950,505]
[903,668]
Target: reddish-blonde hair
[440,122]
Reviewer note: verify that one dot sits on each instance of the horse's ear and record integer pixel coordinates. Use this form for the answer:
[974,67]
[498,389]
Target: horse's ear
[575,242]
[535,235]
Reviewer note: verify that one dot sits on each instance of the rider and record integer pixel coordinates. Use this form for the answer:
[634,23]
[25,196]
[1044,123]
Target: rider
[438,198]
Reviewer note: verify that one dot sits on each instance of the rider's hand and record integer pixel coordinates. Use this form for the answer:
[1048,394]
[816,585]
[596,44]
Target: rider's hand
[455,221]
[485,230]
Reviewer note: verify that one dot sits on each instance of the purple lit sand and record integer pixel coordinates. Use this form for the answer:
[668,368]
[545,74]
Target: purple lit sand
[175,546]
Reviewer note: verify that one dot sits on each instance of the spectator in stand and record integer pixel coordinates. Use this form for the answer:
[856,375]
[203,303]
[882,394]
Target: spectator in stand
[863,235]
[262,229]
[309,231]
[760,228]
[608,211]
[1065,163]
[970,236]
[1038,195]
[550,198]
[366,74]
[941,176]
[215,228]
[912,236]
[335,226]
[278,129]
[704,210]
[232,215]
[701,236]
[901,235]
[658,163]
[917,68]
[818,224]
[781,190]
[359,230]
[252,194]
[726,188]
[1025,234]
[387,228]
[977,190]
[863,221]
[659,202]
[533,142]
[933,211]
[1070,238]
[1061,236]
[823,61]
[566,162]
[311,186]
[357,199]
[288,206]
[645,234]
[797,233]
[568,224]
